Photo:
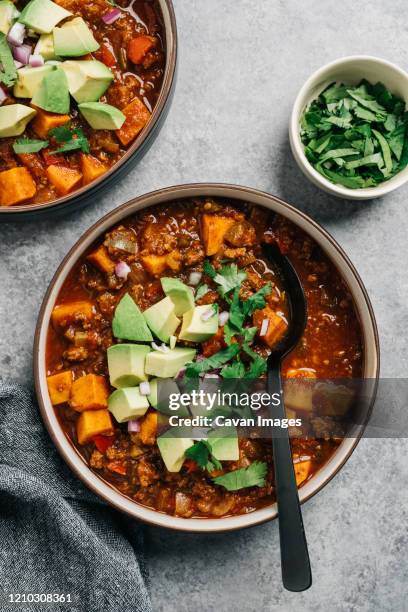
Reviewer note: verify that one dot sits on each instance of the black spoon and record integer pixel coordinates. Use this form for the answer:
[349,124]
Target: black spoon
[296,572]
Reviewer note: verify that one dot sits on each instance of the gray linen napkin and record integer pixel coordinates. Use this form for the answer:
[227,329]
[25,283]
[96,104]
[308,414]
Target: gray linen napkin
[55,535]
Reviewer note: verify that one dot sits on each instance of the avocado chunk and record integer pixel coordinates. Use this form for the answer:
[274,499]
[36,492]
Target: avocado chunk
[74,39]
[129,323]
[45,47]
[42,15]
[196,326]
[52,94]
[172,450]
[161,319]
[126,404]
[102,116]
[126,364]
[180,294]
[87,80]
[224,448]
[14,118]
[167,365]
[160,392]
[6,16]
[29,80]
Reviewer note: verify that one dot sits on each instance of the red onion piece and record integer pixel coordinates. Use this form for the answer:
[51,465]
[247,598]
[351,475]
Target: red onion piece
[163,348]
[144,388]
[264,327]
[134,426]
[223,318]
[122,270]
[194,278]
[36,60]
[3,95]
[16,34]
[18,64]
[22,53]
[112,16]
[208,314]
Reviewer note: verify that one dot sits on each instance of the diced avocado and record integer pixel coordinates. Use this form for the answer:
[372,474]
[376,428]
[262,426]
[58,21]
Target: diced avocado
[87,79]
[172,450]
[180,294]
[126,404]
[167,365]
[161,319]
[102,116]
[196,326]
[160,391]
[45,47]
[129,323]
[14,118]
[53,94]
[74,39]
[6,16]
[29,80]
[42,15]
[224,448]
[126,364]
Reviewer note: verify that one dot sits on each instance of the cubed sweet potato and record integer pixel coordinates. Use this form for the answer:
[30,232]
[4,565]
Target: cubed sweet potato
[91,168]
[214,228]
[101,259]
[64,314]
[16,186]
[89,392]
[138,47]
[63,178]
[302,471]
[93,422]
[137,115]
[277,325]
[148,428]
[59,387]
[157,264]
[44,121]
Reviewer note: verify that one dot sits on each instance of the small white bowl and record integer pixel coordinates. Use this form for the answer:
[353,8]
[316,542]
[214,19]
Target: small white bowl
[349,70]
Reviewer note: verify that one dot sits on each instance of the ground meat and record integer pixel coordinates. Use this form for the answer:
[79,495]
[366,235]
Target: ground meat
[241,233]
[76,353]
[96,460]
[147,473]
[107,302]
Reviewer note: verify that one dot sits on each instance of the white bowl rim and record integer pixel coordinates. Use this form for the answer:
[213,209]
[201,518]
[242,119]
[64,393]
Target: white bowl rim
[297,147]
[168,194]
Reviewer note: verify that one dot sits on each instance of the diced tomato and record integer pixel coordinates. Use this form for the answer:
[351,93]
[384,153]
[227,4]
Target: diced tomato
[52,158]
[191,466]
[102,443]
[106,56]
[138,47]
[119,467]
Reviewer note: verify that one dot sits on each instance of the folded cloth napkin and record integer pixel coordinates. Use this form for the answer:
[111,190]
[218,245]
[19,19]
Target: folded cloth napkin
[56,537]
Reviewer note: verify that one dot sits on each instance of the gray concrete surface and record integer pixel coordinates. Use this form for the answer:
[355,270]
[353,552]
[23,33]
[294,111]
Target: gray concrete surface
[241,65]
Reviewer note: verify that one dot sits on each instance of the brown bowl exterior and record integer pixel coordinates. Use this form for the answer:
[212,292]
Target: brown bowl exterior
[243,194]
[85,195]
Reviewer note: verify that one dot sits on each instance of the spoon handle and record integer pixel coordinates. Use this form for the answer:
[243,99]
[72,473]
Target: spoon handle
[295,562]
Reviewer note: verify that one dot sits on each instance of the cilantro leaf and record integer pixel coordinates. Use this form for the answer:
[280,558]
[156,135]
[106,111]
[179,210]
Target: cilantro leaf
[28,145]
[212,363]
[252,476]
[209,269]
[201,453]
[233,370]
[70,140]
[201,291]
[228,278]
[257,300]
[8,71]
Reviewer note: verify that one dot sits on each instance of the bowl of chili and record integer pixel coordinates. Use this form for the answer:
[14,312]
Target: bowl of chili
[87,91]
[204,236]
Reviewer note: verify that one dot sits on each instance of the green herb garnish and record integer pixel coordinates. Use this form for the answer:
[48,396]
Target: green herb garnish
[28,145]
[8,71]
[252,476]
[356,136]
[201,453]
[212,363]
[201,291]
[70,140]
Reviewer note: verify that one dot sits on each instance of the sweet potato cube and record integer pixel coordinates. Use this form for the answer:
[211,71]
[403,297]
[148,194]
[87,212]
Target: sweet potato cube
[16,186]
[277,325]
[64,314]
[44,121]
[101,259]
[154,264]
[93,422]
[91,168]
[89,392]
[59,387]
[302,471]
[214,228]
[173,260]
[63,178]
[137,115]
[148,428]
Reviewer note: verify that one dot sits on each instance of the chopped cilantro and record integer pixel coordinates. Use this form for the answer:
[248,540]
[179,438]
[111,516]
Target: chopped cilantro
[201,291]
[228,278]
[212,363]
[201,453]
[209,269]
[8,71]
[252,476]
[28,145]
[70,140]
